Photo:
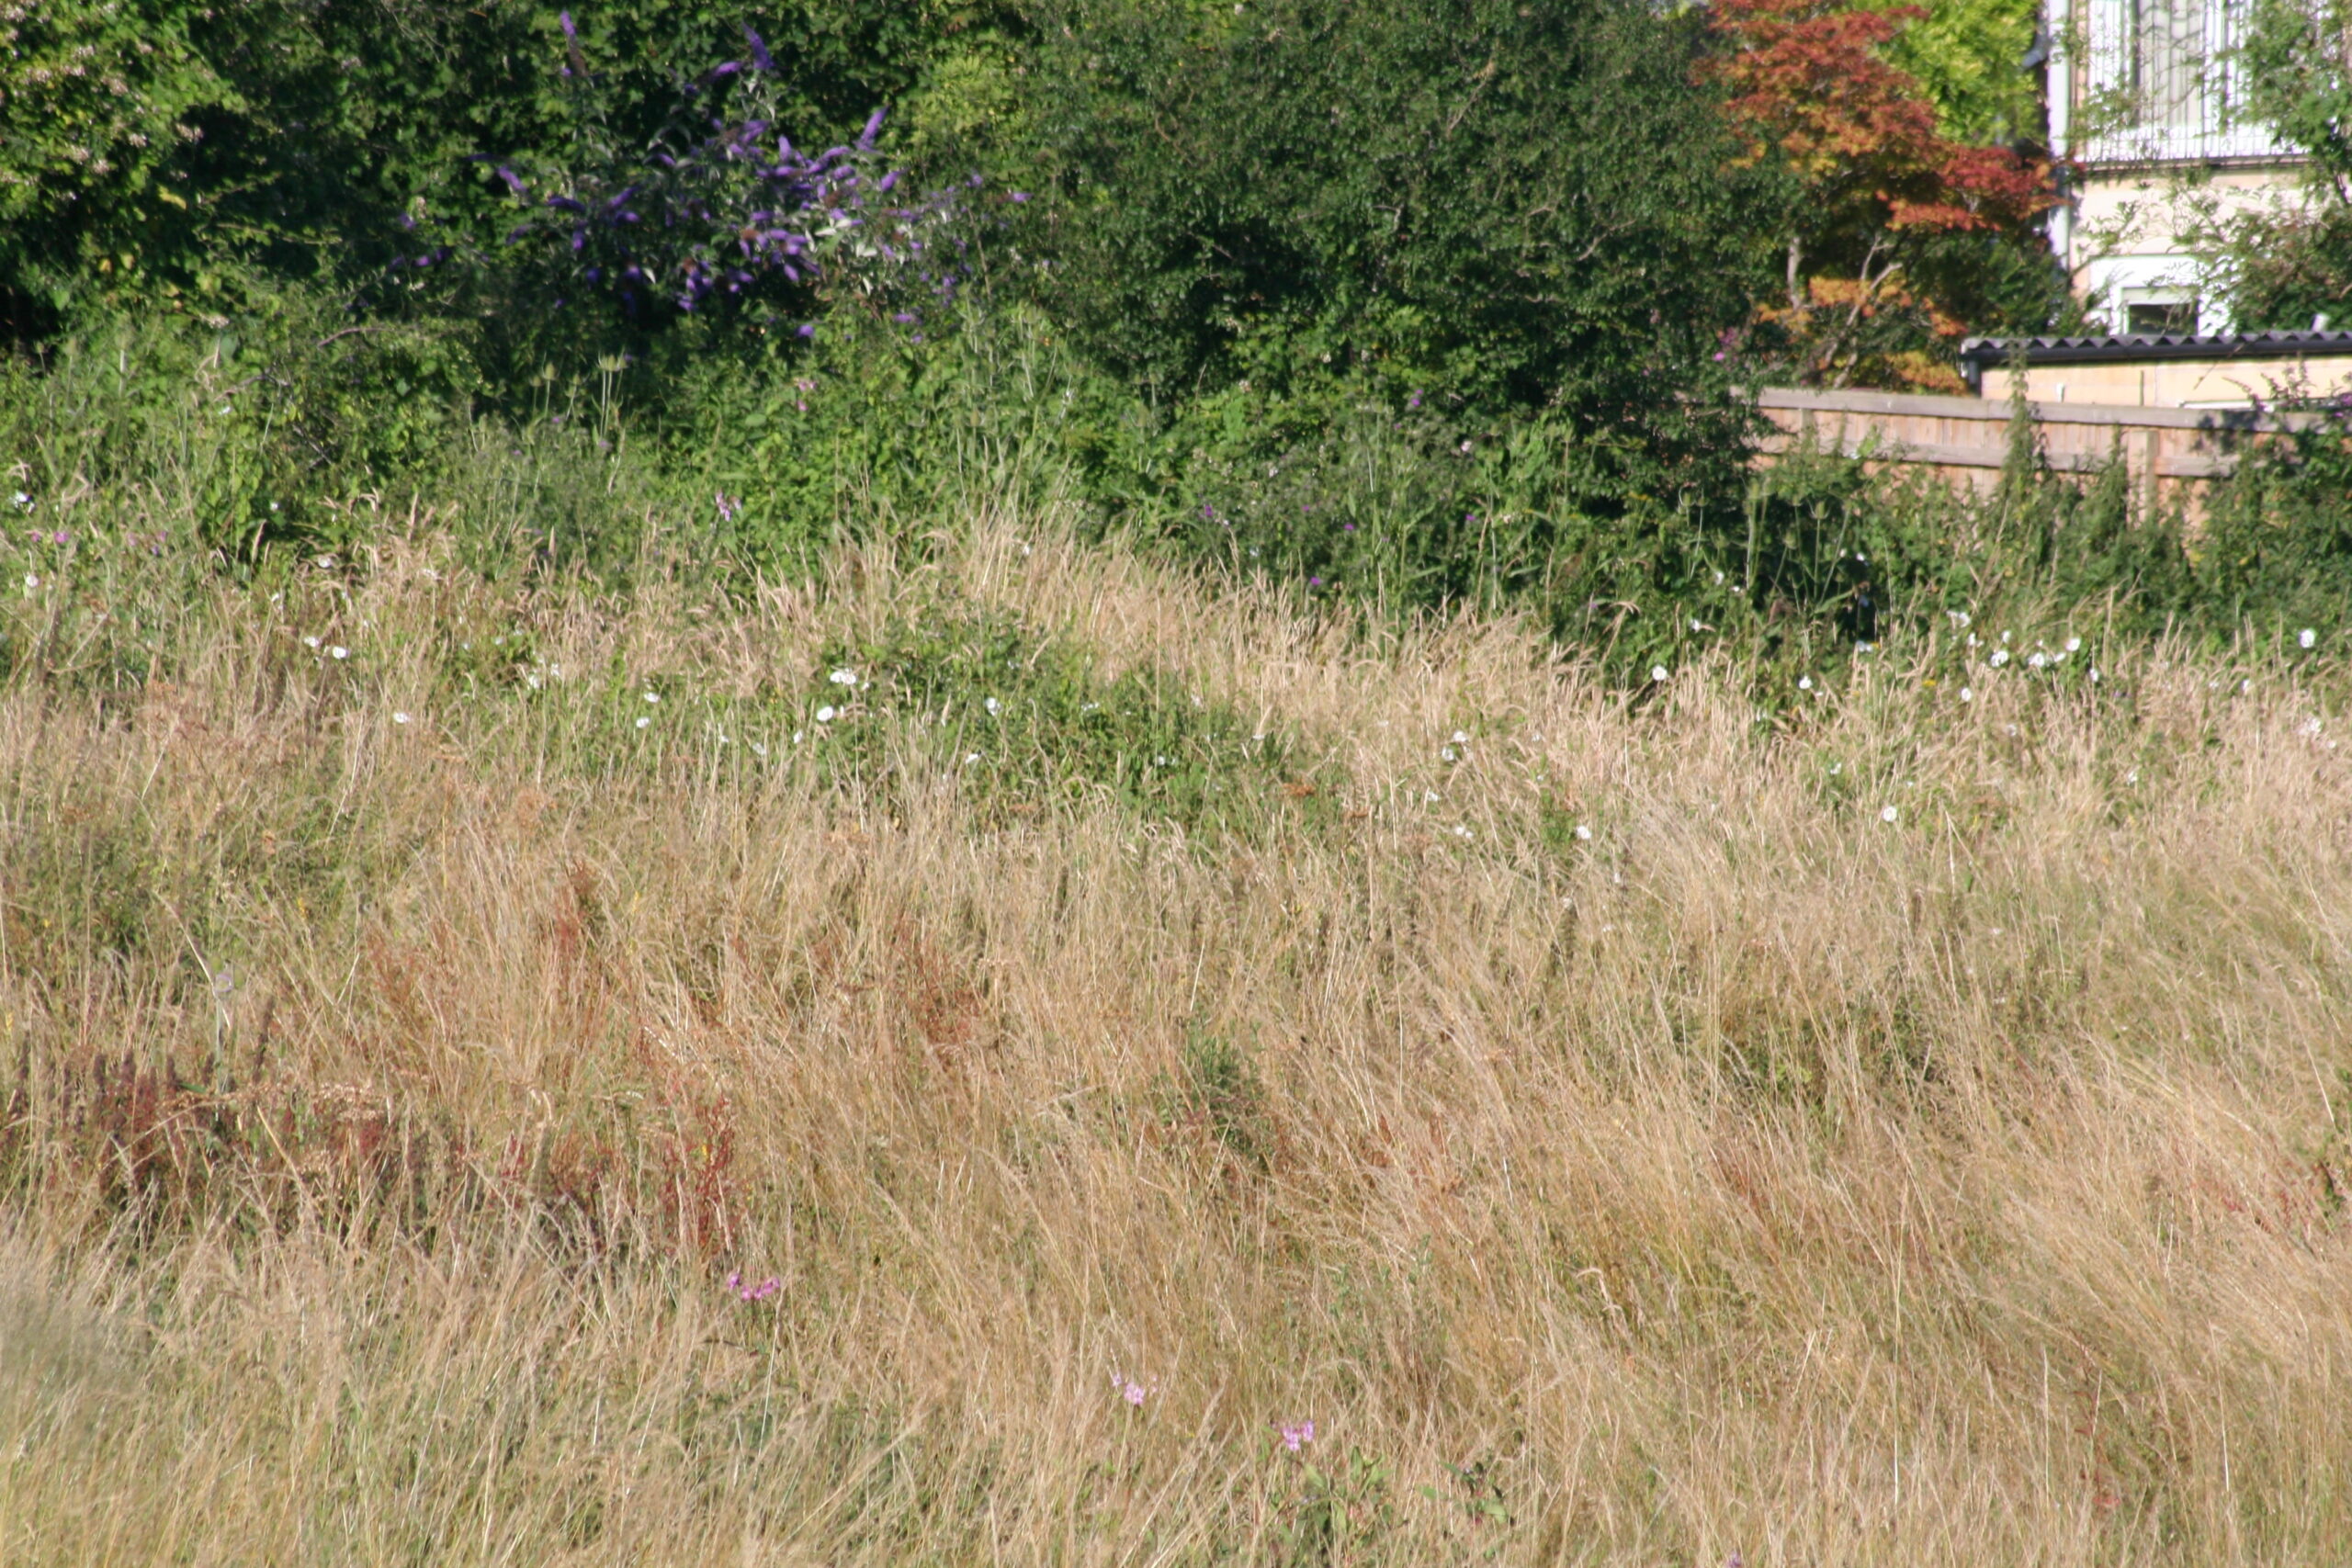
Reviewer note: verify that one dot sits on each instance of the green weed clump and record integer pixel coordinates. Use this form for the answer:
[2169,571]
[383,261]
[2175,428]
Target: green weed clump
[1025,724]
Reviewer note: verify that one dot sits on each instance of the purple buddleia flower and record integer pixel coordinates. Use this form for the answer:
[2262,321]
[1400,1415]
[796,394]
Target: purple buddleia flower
[699,214]
[575,63]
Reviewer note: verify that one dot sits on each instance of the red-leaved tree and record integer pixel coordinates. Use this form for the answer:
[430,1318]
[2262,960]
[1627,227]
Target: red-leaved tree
[1807,84]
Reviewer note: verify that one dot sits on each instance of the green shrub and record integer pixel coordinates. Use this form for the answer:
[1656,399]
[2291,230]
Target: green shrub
[1498,204]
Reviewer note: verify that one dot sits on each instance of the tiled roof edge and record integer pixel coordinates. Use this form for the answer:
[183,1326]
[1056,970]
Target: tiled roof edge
[1986,352]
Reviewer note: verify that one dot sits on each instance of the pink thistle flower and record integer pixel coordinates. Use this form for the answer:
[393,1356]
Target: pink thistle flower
[758,1292]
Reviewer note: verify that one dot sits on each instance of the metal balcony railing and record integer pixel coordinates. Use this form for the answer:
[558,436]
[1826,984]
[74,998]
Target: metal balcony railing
[2158,86]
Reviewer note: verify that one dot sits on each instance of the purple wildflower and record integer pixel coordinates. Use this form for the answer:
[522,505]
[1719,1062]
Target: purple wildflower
[760,59]
[758,1292]
[1296,1437]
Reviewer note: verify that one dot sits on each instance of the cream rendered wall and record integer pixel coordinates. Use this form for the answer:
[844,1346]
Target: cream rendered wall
[2132,232]
[2178,383]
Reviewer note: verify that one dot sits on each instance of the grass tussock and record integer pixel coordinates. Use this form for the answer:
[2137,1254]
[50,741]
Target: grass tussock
[1875,1127]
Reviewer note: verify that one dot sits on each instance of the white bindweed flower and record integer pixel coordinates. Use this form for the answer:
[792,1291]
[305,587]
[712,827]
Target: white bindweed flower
[1888,813]
[1804,682]
[758,749]
[1584,831]
[1967,694]
[400,718]
[338,651]
[1836,768]
[1974,640]
[2037,659]
[993,706]
[2073,645]
[2244,686]
[970,758]
[2093,674]
[1460,737]
[1431,797]
[1866,648]
[797,736]
[825,715]
[531,680]
[642,721]
[843,677]
[31,581]
[1447,753]
[1959,618]
[309,642]
[652,696]
[2000,657]
[2307,637]
[1657,672]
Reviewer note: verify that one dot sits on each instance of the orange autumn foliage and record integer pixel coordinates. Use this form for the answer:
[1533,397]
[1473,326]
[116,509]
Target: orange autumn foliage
[1806,83]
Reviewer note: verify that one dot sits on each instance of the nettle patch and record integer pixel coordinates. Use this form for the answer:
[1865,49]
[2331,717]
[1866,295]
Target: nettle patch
[1022,725]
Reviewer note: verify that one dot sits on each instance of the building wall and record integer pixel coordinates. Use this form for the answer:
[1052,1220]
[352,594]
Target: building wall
[2178,383]
[2179,158]
[2130,226]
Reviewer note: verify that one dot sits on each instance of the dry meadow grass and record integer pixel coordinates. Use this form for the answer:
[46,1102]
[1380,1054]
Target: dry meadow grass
[390,1104]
